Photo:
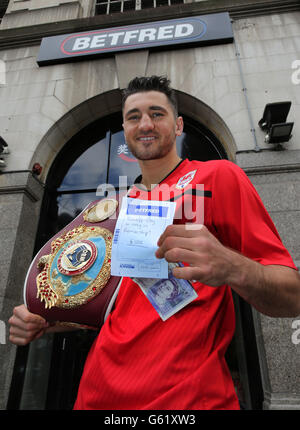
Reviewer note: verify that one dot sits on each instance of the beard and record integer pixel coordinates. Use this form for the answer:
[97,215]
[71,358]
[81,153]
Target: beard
[151,150]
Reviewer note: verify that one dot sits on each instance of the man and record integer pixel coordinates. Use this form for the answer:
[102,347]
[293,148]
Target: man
[141,362]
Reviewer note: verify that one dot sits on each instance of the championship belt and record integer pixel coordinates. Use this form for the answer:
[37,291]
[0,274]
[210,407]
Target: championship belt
[69,280]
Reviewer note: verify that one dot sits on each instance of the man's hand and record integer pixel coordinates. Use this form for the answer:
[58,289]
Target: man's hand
[273,290]
[209,261]
[25,326]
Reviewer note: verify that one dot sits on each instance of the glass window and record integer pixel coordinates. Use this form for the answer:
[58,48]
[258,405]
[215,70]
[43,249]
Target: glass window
[115,6]
[162,3]
[102,9]
[69,205]
[122,162]
[79,177]
[36,378]
[107,7]
[3,7]
[128,5]
[147,4]
[198,143]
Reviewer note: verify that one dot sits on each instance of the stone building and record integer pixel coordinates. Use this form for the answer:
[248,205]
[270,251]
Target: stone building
[61,136]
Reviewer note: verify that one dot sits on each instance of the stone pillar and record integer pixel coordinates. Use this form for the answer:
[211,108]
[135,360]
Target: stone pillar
[279,362]
[20,199]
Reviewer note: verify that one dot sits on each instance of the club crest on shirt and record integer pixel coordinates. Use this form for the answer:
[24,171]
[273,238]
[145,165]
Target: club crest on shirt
[185,180]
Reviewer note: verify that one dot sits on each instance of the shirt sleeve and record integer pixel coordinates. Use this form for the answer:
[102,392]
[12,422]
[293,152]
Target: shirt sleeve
[241,220]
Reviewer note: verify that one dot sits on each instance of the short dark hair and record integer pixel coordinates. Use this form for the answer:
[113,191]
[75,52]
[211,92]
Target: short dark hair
[151,83]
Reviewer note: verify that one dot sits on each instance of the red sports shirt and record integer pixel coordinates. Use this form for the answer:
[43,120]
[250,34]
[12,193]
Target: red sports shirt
[140,362]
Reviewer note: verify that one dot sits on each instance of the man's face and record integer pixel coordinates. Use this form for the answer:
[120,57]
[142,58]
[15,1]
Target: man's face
[150,125]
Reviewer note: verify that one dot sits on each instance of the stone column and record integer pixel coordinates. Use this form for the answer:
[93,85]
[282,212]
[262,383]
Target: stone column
[20,199]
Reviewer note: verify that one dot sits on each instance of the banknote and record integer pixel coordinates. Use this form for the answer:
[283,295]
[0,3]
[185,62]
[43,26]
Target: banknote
[167,296]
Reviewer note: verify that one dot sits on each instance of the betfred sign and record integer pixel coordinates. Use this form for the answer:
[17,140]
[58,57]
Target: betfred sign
[206,29]
[116,39]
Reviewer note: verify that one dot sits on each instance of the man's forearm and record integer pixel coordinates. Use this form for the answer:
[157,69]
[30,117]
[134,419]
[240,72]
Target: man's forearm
[273,290]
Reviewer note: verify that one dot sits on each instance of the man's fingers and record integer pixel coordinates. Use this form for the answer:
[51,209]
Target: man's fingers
[20,341]
[172,242]
[20,337]
[176,255]
[21,332]
[30,325]
[201,274]
[181,230]
[187,272]
[25,326]
[23,318]
[24,340]
[23,314]
[177,238]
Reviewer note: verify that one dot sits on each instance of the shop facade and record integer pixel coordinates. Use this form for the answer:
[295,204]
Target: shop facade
[62,128]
